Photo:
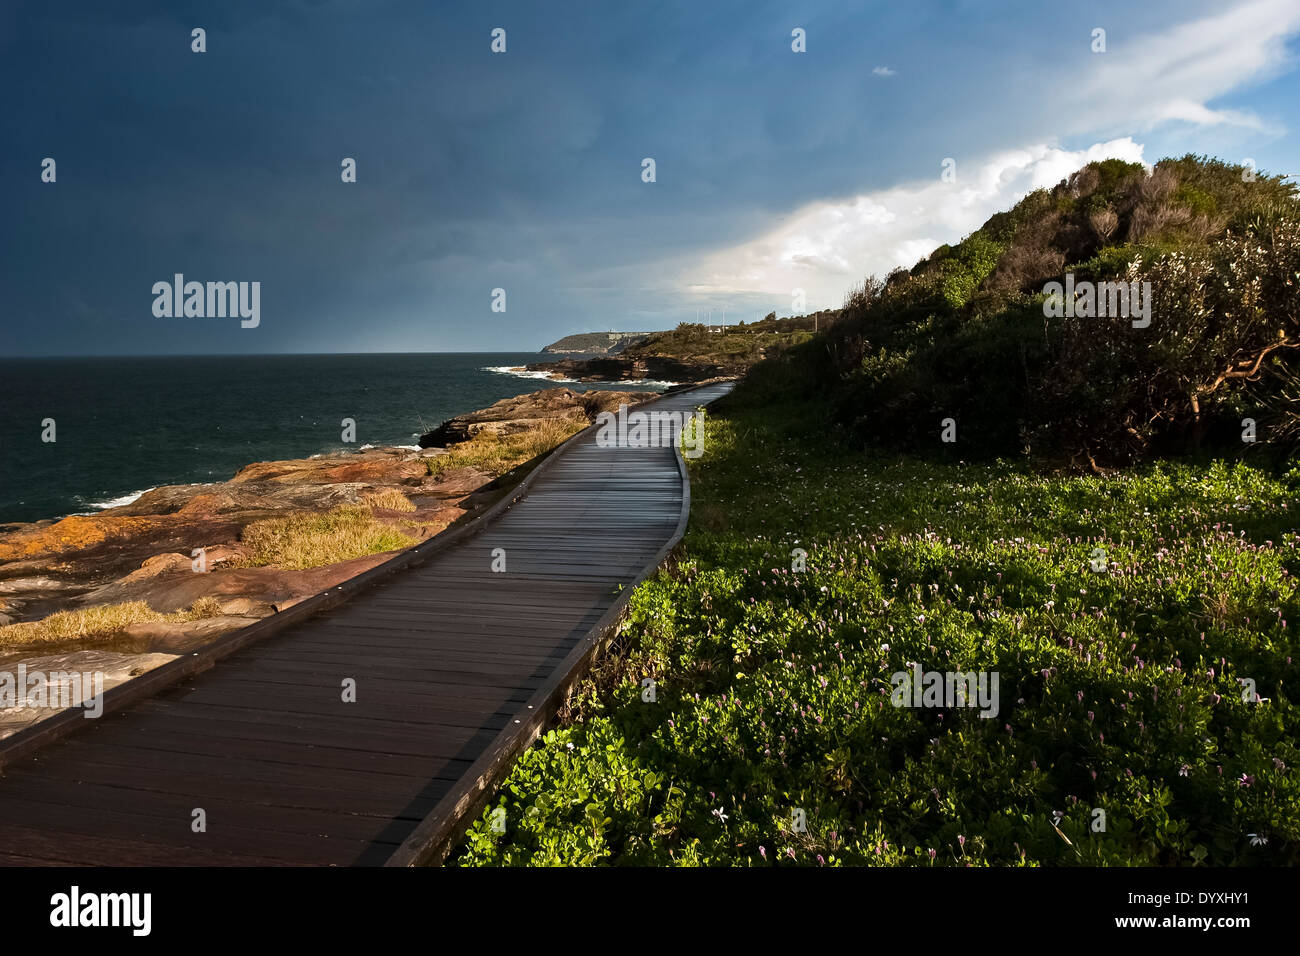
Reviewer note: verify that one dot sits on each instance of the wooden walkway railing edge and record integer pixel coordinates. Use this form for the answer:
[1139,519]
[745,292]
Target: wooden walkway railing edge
[57,726]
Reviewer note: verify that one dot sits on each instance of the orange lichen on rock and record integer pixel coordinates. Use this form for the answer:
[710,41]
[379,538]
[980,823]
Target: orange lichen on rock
[78,533]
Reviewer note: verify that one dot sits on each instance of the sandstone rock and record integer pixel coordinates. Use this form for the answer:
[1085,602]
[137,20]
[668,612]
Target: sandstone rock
[91,547]
[87,550]
[272,586]
[163,500]
[116,668]
[143,551]
[246,607]
[454,483]
[18,569]
[77,532]
[318,497]
[523,412]
[373,466]
[159,564]
[224,553]
[186,635]
[33,585]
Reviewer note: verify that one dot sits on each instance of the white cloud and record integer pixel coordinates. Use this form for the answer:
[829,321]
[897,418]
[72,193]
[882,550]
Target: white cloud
[1141,82]
[1201,115]
[1144,81]
[826,248]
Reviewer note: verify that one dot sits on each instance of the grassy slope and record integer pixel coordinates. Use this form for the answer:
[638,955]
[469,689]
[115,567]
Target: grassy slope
[1118,690]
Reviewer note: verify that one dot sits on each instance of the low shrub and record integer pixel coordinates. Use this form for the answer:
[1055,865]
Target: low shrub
[1119,688]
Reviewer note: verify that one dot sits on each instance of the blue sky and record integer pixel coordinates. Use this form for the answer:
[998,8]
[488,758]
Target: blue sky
[775,170]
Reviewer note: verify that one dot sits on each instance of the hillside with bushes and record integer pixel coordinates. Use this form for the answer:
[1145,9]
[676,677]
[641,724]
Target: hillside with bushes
[594,343]
[963,334]
[694,352]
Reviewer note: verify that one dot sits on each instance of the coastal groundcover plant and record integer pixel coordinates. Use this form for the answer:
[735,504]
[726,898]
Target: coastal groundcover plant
[1119,689]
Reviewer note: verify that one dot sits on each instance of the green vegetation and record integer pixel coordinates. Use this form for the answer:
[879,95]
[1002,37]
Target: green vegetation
[102,621]
[694,351]
[963,334]
[1118,689]
[729,347]
[836,542]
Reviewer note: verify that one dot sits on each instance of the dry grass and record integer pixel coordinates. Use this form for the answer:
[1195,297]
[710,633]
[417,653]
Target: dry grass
[387,498]
[102,621]
[313,540]
[497,455]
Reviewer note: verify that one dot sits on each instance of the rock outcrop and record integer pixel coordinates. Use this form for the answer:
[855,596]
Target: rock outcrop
[627,369]
[240,590]
[43,564]
[115,666]
[512,416]
[144,551]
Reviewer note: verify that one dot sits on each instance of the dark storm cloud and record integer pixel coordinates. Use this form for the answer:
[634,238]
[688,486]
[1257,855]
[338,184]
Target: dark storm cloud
[475,170]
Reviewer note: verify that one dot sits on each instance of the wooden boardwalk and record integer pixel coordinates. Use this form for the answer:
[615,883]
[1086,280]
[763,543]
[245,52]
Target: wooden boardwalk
[457,667]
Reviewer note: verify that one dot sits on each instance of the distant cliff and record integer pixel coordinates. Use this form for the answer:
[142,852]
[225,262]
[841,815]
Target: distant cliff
[595,343]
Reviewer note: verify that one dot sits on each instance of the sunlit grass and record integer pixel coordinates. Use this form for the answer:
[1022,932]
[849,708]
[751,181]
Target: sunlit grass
[495,455]
[388,499]
[312,540]
[102,621]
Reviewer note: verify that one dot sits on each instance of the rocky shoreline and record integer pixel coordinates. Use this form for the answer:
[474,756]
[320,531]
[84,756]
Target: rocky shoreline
[616,368]
[150,550]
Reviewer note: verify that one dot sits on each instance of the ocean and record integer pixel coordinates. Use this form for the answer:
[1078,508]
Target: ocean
[124,425]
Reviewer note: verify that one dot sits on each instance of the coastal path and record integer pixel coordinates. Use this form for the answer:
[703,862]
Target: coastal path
[369,724]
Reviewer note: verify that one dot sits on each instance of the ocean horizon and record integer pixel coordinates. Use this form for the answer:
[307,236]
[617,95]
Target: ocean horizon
[126,424]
